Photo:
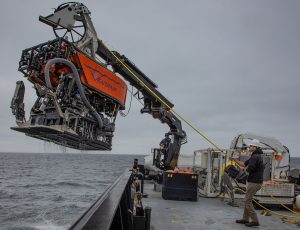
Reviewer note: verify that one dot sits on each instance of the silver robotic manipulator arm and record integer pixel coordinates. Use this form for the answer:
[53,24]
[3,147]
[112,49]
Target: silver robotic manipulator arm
[72,21]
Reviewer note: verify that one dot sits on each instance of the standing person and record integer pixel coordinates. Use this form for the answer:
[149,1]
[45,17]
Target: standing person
[164,144]
[255,168]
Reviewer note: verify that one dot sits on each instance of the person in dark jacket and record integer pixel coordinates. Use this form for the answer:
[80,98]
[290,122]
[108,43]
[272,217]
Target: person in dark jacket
[165,142]
[164,147]
[255,168]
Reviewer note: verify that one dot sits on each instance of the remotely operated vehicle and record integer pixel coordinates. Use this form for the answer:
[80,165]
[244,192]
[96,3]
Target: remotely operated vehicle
[81,85]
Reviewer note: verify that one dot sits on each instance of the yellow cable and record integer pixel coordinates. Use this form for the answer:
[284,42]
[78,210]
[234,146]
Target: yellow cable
[164,103]
[276,213]
[279,202]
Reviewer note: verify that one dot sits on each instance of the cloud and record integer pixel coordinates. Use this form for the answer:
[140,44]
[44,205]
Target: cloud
[228,66]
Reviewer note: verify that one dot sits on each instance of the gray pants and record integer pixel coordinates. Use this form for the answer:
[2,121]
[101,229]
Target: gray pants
[249,211]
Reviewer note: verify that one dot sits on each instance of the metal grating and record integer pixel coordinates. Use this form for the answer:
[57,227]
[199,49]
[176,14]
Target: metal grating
[269,200]
[280,190]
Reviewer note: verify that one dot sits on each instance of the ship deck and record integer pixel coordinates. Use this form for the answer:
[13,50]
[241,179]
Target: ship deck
[206,213]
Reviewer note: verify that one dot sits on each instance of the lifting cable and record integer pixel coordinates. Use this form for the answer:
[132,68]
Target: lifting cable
[164,103]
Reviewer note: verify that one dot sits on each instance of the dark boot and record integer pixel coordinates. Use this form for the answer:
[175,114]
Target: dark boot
[252,224]
[242,221]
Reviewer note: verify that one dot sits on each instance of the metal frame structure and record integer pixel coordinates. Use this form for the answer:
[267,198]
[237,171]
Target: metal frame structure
[210,171]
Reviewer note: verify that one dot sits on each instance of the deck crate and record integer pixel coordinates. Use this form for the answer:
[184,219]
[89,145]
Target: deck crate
[180,186]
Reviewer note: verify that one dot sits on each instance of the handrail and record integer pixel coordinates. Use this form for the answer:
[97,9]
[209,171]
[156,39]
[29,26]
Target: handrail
[100,215]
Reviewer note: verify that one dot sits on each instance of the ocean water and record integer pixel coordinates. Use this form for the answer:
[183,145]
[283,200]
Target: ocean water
[50,191]
[295,162]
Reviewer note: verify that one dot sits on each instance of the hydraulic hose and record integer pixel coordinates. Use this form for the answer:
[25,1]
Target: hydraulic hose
[78,83]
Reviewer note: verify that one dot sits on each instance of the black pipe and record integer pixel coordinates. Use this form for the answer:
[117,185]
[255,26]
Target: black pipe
[78,83]
[148,217]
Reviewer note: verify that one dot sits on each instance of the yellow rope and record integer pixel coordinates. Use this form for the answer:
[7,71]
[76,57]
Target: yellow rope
[164,103]
[276,213]
[279,202]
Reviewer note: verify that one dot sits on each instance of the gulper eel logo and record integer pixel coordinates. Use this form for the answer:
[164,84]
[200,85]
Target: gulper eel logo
[99,77]
[102,79]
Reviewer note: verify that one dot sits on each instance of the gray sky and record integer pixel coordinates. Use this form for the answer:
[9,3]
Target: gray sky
[228,66]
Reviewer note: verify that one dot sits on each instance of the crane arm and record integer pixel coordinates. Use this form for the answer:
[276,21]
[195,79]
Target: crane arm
[78,94]
[154,102]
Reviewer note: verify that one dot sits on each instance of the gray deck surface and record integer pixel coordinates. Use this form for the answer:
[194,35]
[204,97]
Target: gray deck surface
[207,213]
